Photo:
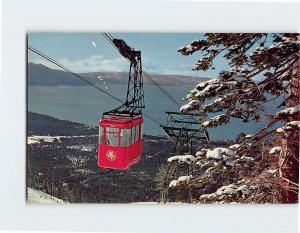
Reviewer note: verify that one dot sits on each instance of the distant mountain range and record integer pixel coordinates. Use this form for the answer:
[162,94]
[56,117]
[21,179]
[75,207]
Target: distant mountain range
[41,75]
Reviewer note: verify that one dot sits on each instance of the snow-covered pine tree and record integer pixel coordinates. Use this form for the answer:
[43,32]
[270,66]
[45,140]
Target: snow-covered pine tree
[263,68]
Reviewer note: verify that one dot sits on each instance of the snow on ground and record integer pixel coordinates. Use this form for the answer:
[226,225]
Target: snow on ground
[36,139]
[87,148]
[182,159]
[82,148]
[39,197]
[84,171]
[31,141]
[76,160]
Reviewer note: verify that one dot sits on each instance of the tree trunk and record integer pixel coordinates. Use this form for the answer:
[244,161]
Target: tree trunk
[289,158]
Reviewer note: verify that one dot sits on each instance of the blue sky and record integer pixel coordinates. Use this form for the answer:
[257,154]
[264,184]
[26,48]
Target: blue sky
[159,52]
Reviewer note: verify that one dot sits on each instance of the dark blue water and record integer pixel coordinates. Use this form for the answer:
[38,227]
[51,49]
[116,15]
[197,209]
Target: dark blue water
[85,104]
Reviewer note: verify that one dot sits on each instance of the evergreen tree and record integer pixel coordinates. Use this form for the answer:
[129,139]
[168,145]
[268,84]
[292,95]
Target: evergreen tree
[264,67]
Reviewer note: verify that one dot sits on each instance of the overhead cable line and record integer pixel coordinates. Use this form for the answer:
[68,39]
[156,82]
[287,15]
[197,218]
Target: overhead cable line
[71,72]
[84,79]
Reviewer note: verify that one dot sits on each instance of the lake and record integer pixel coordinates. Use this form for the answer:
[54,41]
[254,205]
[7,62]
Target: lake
[84,104]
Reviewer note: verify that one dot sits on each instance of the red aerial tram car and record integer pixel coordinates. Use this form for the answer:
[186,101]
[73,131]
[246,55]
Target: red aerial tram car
[120,142]
[120,130]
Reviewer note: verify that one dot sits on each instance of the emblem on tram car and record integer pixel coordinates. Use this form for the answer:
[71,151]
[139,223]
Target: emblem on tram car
[111,155]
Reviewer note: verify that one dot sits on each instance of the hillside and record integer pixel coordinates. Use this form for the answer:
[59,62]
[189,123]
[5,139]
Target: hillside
[39,124]
[39,74]
[66,166]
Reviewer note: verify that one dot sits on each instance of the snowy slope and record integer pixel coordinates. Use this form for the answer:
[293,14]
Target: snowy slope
[35,196]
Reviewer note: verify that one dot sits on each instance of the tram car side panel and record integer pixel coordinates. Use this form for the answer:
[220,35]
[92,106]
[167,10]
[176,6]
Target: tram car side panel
[110,155]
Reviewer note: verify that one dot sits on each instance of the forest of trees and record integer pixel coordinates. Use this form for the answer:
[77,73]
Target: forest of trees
[259,168]
[67,168]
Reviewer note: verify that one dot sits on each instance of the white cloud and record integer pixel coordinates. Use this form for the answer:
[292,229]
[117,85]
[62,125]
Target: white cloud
[98,63]
[172,69]
[95,63]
